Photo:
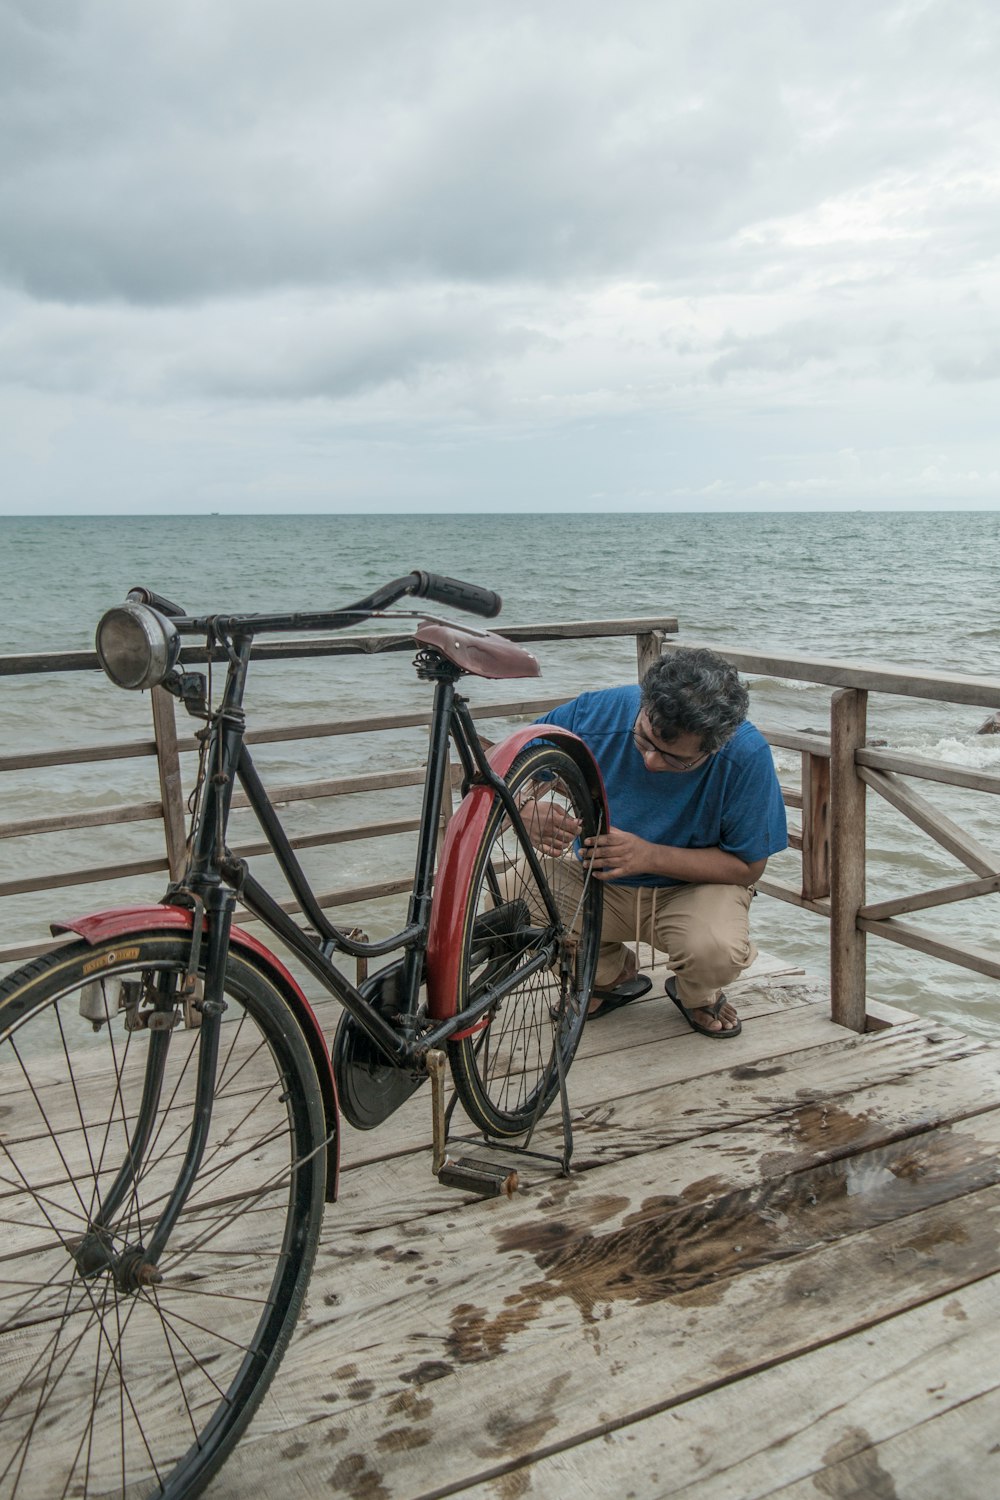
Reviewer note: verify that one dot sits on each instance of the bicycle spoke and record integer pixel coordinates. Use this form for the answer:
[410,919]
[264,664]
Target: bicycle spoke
[118,1383]
[520,909]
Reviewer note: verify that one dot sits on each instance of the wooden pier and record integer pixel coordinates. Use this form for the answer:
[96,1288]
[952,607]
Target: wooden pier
[774,1271]
[775,1268]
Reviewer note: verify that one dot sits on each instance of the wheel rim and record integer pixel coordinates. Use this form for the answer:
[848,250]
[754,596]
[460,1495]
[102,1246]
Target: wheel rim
[118,1379]
[508,1072]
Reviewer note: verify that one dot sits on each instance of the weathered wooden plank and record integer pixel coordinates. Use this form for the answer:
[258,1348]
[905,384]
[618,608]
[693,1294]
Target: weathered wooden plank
[782,892]
[644,1237]
[27,663]
[943,830]
[630,1060]
[77,755]
[953,1454]
[137,812]
[689,1062]
[965,889]
[807,1416]
[565,1356]
[171,787]
[929,770]
[872,677]
[848,711]
[969,956]
[447,1293]
[809,743]
[90,876]
[387,829]
[648,648]
[767,1128]
[815,827]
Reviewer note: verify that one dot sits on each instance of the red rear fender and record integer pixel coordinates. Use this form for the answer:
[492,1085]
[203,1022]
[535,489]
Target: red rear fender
[444,939]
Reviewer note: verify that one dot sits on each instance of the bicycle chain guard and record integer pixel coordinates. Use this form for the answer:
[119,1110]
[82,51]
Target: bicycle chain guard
[370,1087]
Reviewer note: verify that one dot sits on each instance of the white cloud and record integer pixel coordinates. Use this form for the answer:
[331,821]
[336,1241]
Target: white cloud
[712,246]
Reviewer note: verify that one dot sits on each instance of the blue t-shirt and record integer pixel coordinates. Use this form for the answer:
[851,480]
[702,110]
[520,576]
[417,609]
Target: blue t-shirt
[731,802]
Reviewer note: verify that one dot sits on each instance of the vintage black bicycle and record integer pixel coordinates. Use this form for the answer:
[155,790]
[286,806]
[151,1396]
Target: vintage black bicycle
[169,1123]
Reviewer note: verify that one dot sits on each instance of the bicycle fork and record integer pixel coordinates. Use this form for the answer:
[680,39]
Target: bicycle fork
[136,1265]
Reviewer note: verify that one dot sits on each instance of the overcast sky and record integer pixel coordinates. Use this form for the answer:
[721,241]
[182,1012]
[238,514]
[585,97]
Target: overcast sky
[264,255]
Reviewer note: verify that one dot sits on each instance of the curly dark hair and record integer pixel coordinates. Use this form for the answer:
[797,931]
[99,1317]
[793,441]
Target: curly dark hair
[694,691]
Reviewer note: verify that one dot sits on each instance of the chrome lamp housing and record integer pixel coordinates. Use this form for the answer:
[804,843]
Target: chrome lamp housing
[137,646]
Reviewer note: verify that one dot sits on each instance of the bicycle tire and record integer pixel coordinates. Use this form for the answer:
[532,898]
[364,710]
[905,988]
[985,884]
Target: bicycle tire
[507,1073]
[145,1389]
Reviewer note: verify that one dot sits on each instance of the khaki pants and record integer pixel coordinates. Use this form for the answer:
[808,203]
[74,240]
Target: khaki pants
[704,930]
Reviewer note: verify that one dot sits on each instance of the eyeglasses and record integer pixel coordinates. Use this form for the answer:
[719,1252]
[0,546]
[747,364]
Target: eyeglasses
[673,762]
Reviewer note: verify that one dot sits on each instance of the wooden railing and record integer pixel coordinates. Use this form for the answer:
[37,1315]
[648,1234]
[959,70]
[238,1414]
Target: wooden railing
[169,746]
[836,772]
[837,769]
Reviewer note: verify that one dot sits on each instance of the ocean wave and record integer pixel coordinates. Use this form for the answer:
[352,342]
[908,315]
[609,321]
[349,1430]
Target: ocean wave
[793,684]
[982,753]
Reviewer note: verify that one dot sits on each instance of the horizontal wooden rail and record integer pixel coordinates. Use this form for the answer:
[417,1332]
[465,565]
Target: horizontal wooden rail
[836,771]
[168,748]
[980,960]
[303,648]
[928,770]
[869,677]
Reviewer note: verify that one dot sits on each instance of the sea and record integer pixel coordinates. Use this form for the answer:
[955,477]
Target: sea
[902,588]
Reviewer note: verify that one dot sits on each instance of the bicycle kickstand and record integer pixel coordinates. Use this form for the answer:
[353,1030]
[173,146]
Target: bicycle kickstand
[469,1174]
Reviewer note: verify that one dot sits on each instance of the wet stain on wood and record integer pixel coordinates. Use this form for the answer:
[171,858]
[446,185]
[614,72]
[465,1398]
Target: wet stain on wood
[854,1470]
[428,1370]
[512,1433]
[394,1256]
[670,1246]
[475,1336]
[403,1439]
[355,1476]
[412,1405]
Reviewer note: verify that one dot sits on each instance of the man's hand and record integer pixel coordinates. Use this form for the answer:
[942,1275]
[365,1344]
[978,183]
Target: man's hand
[617,855]
[550,827]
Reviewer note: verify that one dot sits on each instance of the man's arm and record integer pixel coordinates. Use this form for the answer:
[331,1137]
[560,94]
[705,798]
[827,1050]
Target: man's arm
[619,855]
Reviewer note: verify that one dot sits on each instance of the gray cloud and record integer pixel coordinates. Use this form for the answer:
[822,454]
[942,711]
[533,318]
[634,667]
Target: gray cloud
[228,147]
[502,219]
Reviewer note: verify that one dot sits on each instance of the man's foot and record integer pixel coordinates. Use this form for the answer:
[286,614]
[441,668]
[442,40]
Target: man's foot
[629,986]
[718,1021]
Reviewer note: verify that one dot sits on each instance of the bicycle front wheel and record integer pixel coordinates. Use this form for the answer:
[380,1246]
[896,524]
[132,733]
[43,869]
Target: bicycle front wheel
[118,1377]
[507,1073]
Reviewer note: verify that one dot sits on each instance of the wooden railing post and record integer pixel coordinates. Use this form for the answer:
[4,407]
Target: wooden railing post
[648,649]
[848,716]
[815,826]
[171,790]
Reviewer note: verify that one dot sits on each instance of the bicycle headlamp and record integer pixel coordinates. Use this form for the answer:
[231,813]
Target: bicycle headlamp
[137,646]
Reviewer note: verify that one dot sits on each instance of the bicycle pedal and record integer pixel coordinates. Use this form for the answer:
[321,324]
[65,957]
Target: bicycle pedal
[483,1177]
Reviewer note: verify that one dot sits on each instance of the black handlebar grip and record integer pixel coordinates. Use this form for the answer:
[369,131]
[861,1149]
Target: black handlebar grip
[467,596]
[141,595]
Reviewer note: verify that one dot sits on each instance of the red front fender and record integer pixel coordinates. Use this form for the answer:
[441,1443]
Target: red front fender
[102,925]
[444,941]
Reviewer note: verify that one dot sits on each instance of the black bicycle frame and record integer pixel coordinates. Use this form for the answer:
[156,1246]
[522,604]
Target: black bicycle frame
[211,868]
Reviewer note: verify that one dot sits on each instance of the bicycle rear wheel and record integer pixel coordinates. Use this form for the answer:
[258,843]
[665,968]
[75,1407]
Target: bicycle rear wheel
[115,1382]
[507,1073]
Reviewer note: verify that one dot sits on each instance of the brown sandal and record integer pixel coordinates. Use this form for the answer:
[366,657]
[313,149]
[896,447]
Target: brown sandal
[713,1010]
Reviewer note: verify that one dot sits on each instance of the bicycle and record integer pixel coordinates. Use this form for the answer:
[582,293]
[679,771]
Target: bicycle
[169,1126]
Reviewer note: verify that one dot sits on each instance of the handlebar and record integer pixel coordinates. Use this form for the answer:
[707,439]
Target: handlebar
[142,595]
[434,586]
[451,591]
